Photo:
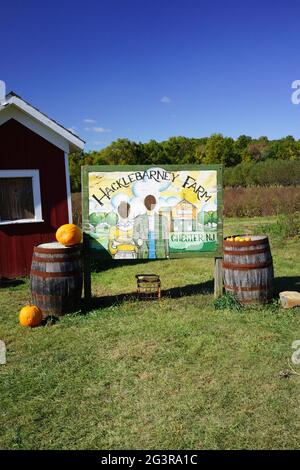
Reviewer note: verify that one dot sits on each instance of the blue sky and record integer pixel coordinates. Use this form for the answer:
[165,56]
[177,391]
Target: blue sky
[154,69]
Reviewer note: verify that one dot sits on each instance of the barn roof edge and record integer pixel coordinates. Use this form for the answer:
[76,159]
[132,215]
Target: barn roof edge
[13,99]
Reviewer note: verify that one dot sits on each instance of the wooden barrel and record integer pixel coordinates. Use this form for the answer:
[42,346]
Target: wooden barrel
[56,278]
[248,270]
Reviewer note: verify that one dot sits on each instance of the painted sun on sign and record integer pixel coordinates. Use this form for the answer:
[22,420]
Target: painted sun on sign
[152,213]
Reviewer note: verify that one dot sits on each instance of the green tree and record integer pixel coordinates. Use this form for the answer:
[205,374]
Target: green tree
[122,152]
[221,149]
[181,150]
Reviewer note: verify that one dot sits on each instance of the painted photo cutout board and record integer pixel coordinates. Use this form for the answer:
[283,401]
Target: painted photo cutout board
[144,212]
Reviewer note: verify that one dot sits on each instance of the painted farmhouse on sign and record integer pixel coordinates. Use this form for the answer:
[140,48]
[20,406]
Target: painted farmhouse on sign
[35,196]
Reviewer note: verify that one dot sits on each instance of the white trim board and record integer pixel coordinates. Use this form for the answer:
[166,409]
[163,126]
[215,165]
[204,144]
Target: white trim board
[11,112]
[41,122]
[69,196]
[35,175]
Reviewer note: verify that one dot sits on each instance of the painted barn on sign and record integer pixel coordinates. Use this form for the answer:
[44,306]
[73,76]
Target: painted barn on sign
[184,216]
[35,197]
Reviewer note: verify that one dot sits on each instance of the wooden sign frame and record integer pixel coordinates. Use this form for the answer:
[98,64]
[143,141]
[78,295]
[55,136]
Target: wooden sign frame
[217,254]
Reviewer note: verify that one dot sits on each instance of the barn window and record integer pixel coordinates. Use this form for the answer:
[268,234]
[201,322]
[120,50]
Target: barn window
[20,196]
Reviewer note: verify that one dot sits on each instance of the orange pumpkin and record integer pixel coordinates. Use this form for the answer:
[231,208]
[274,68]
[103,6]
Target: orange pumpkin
[68,235]
[30,316]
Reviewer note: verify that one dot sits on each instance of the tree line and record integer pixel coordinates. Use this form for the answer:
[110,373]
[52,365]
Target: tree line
[242,154]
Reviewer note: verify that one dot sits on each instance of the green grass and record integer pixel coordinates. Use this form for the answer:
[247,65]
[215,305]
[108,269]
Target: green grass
[174,374]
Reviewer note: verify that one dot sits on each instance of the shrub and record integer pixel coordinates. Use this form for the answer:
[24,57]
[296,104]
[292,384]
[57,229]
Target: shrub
[261,201]
[228,301]
[269,172]
[286,226]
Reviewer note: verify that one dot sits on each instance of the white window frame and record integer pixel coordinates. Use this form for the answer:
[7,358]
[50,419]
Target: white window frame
[35,175]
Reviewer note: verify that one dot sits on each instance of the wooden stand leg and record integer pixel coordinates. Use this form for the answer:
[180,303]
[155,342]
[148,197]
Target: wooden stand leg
[218,278]
[159,292]
[86,271]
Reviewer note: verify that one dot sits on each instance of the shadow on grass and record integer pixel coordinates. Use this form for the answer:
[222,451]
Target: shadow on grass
[99,266]
[173,293]
[49,321]
[287,283]
[281,284]
[10,282]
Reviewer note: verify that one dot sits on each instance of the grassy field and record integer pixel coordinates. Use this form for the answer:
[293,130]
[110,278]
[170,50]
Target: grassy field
[174,374]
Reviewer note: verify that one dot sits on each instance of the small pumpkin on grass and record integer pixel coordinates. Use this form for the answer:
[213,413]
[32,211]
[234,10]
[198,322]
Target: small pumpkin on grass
[69,235]
[30,315]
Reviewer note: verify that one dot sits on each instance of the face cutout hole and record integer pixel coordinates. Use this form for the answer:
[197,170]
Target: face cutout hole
[150,202]
[123,210]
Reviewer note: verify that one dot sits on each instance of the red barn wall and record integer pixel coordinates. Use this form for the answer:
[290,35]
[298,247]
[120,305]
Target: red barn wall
[21,148]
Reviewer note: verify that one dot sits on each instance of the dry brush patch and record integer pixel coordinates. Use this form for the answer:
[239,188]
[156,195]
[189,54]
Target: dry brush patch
[241,202]
[261,201]
[76,206]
